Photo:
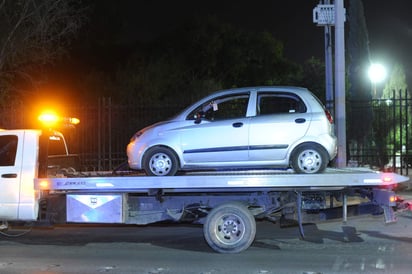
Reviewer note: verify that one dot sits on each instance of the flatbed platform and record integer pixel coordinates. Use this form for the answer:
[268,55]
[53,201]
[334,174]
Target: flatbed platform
[225,181]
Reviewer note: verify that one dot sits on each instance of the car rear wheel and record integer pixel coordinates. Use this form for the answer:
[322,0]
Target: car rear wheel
[160,161]
[309,158]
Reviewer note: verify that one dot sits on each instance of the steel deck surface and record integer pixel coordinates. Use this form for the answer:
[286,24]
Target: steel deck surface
[225,181]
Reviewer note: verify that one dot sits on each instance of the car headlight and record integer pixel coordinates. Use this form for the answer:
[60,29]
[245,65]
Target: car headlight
[136,136]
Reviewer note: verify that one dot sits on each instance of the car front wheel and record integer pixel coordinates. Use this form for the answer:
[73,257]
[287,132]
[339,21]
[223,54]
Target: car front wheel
[309,158]
[160,161]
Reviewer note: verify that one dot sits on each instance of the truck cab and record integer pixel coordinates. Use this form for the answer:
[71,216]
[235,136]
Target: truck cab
[25,155]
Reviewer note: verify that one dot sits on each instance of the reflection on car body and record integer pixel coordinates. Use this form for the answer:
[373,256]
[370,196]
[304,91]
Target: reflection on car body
[251,127]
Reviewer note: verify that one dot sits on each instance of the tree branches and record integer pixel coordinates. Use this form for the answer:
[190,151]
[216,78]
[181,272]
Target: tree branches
[34,33]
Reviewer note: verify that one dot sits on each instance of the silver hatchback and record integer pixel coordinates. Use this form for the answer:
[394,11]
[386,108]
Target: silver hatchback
[255,127]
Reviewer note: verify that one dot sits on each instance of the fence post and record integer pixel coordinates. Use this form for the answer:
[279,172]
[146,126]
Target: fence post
[109,131]
[394,129]
[407,131]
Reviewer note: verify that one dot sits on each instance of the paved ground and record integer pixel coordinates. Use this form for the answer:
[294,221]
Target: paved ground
[364,244]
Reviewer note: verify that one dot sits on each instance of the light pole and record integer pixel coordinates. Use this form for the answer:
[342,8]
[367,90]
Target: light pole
[376,73]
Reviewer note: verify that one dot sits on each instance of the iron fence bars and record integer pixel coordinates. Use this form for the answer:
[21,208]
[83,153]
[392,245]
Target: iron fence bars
[383,139]
[379,137]
[106,128]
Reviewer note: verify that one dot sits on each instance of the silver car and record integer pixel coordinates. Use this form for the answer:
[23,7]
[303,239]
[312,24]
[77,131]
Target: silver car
[254,127]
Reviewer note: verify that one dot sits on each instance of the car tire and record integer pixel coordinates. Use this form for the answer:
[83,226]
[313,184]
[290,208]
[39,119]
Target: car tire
[160,161]
[230,228]
[309,158]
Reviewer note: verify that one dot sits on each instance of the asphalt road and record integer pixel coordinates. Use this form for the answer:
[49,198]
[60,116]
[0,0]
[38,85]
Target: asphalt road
[364,244]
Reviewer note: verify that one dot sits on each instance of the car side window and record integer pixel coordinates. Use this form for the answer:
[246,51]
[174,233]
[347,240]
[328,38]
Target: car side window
[279,103]
[222,108]
[8,149]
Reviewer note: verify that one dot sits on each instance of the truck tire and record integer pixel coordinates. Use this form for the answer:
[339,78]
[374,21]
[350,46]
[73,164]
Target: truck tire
[309,158]
[230,228]
[160,161]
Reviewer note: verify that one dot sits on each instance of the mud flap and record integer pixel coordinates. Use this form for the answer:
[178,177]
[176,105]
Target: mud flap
[389,214]
[299,212]
[386,199]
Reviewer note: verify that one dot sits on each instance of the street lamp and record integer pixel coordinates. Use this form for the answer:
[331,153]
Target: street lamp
[376,73]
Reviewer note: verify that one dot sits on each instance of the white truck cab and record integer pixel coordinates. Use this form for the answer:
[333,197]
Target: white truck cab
[20,151]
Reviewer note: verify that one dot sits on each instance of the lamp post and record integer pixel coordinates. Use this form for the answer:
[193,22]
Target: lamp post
[377,74]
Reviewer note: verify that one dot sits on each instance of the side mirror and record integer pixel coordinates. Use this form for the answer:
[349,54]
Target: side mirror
[198,117]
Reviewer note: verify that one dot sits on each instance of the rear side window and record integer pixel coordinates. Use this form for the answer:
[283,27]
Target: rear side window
[57,145]
[279,103]
[8,149]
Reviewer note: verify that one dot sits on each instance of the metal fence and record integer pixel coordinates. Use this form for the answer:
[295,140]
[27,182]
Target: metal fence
[380,133]
[104,131]
[100,140]
[106,128]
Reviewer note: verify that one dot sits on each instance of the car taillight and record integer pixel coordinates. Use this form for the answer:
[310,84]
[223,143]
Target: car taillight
[329,116]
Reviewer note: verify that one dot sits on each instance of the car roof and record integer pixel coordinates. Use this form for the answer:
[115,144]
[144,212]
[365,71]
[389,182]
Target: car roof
[297,90]
[294,89]
[266,88]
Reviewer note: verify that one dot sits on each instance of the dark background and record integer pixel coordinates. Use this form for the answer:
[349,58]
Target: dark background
[115,29]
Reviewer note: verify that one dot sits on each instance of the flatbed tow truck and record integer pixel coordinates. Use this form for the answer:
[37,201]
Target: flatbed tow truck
[227,203]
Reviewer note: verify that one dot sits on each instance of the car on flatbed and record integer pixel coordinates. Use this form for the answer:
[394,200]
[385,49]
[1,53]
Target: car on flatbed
[253,127]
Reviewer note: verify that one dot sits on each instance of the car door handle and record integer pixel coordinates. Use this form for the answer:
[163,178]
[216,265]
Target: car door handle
[238,124]
[9,175]
[300,120]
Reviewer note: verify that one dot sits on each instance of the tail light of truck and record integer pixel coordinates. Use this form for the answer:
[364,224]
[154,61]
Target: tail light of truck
[387,178]
[394,199]
[44,185]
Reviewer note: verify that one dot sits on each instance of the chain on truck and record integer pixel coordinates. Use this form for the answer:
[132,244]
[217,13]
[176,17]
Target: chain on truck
[40,183]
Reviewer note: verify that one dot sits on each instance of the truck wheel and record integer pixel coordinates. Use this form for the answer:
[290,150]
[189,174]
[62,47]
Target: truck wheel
[160,161]
[230,228]
[309,158]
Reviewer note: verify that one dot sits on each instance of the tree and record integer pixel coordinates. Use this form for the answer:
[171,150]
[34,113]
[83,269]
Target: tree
[396,82]
[396,91]
[312,77]
[201,56]
[359,110]
[34,33]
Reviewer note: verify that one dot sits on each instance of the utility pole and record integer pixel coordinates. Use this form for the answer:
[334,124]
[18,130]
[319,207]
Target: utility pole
[340,96]
[328,66]
[327,15]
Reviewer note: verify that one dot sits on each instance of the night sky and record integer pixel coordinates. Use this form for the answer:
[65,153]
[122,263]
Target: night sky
[389,23]
[286,20]
[128,22]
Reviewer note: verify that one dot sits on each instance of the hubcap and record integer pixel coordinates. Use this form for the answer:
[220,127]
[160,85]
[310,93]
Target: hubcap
[230,230]
[160,164]
[310,161]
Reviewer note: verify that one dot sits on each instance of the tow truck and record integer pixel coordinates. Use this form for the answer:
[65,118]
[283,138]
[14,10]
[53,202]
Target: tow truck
[36,188]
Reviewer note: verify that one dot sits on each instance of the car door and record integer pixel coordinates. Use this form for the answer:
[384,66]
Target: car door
[10,169]
[219,135]
[282,119]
